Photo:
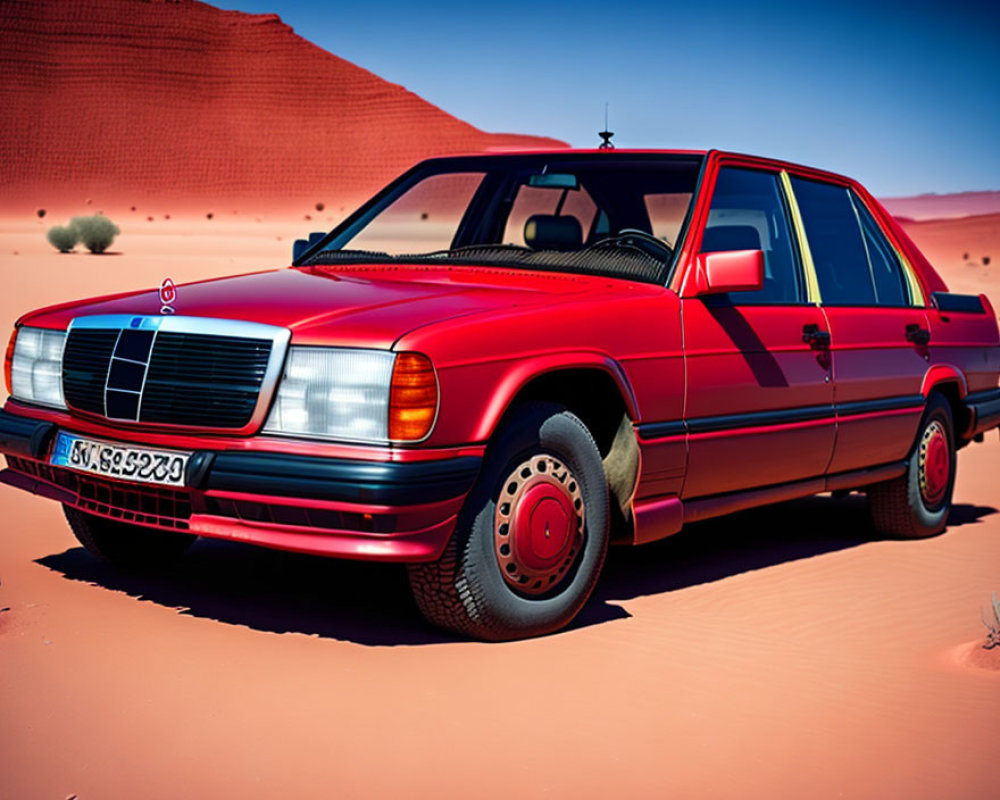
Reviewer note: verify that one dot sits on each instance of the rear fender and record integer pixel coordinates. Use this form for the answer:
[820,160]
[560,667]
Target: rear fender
[944,373]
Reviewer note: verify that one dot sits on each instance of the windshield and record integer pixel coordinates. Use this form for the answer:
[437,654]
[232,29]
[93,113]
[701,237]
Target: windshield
[602,213]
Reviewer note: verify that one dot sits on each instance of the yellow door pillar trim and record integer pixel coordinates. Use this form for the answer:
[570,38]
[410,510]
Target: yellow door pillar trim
[812,282]
[916,290]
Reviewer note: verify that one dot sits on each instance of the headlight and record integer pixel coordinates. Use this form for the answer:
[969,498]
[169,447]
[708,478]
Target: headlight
[334,394]
[36,367]
[355,395]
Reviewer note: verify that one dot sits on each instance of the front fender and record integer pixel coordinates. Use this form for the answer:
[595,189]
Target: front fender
[521,373]
[474,395]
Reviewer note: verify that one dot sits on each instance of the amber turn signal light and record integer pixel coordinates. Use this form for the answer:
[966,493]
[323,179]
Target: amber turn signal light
[413,398]
[8,363]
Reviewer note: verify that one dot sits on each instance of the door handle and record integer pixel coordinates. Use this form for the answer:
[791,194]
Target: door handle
[917,335]
[815,338]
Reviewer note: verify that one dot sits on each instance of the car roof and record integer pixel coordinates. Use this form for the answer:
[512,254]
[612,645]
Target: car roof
[729,155]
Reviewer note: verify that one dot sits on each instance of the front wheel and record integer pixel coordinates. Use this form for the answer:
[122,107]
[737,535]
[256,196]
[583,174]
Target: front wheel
[532,536]
[916,504]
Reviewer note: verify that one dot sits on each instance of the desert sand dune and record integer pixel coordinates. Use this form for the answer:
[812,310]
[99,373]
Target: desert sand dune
[123,100]
[965,251]
[943,206]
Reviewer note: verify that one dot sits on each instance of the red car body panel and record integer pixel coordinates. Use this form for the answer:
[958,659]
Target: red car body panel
[745,361]
[366,306]
[707,389]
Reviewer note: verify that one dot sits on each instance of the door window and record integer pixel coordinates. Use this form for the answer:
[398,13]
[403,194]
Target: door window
[747,213]
[835,242]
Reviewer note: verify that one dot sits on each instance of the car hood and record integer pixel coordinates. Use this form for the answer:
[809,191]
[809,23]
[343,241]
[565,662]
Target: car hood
[369,306]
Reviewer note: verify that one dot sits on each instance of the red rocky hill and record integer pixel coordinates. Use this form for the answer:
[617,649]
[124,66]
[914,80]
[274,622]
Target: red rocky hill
[129,100]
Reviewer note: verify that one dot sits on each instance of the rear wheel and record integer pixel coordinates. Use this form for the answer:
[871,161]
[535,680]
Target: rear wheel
[917,503]
[531,538]
[127,545]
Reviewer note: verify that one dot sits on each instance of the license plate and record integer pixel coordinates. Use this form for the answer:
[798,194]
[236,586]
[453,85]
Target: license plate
[125,462]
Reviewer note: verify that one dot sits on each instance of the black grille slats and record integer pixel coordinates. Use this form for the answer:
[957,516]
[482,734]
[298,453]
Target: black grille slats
[204,381]
[85,368]
[196,380]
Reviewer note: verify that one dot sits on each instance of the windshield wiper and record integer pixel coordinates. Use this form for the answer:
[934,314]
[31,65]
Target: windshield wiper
[347,257]
[489,246]
[461,254]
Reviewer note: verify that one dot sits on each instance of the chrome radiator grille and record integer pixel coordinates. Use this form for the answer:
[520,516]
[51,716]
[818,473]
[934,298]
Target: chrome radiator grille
[172,370]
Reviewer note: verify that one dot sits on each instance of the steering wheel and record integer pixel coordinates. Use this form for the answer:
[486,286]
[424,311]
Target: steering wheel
[640,239]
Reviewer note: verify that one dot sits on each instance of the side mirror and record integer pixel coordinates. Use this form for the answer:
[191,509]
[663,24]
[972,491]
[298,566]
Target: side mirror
[299,246]
[730,271]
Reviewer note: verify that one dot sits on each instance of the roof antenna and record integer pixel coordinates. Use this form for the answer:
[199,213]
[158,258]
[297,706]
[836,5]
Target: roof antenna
[606,134]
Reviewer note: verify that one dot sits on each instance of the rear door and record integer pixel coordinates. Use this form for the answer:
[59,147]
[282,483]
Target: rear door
[759,403]
[878,326]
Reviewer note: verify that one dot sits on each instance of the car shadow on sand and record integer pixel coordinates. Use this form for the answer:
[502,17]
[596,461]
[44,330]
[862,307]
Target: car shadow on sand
[370,604]
[709,551]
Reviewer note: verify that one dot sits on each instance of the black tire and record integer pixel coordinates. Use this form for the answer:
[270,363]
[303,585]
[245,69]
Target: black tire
[124,545]
[916,504]
[467,590]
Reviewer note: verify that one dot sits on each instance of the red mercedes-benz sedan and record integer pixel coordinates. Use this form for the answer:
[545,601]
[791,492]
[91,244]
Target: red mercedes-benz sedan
[502,363]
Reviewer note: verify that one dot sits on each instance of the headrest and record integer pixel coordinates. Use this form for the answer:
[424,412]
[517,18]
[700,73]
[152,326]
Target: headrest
[720,238]
[549,232]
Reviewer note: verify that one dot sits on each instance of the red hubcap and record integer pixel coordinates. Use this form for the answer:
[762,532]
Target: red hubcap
[934,463]
[538,526]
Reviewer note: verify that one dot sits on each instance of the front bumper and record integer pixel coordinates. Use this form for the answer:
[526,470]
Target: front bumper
[351,508]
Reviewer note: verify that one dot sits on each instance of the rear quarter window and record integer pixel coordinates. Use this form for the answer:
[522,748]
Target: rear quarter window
[887,272]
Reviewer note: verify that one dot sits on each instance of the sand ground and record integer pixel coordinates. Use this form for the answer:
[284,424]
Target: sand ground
[783,652]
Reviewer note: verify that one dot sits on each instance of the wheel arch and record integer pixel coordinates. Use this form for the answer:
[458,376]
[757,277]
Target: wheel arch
[597,391]
[586,384]
[949,382]
[941,374]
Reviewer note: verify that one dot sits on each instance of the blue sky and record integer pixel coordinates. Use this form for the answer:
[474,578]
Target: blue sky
[903,96]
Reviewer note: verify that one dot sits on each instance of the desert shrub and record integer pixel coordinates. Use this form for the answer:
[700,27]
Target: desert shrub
[63,238]
[986,261]
[320,206]
[41,213]
[96,232]
[993,625]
